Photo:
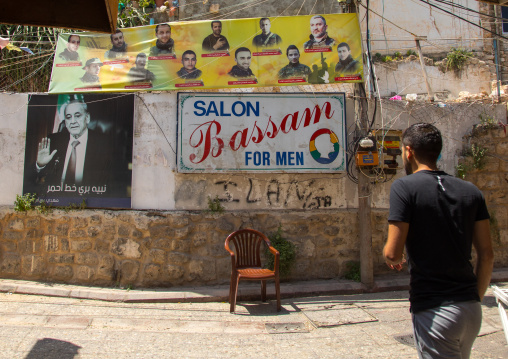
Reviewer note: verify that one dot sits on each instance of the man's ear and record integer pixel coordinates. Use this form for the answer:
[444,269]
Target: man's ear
[409,152]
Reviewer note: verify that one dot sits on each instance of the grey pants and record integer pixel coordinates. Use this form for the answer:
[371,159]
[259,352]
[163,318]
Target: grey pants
[447,331]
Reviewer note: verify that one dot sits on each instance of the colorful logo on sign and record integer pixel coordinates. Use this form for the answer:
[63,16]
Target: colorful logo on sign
[333,140]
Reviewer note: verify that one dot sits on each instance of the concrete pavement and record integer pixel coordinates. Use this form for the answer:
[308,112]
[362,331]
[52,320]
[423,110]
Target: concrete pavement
[246,290]
[64,322]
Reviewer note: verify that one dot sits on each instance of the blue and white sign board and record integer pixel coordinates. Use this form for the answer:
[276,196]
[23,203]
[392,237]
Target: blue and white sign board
[261,132]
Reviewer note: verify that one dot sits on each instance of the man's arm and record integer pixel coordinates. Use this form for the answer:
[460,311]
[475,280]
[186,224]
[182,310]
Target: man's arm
[394,247]
[485,255]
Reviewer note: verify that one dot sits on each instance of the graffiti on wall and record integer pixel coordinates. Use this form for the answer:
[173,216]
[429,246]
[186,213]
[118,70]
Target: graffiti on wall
[275,193]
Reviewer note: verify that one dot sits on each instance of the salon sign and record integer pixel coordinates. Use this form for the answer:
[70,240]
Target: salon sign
[261,132]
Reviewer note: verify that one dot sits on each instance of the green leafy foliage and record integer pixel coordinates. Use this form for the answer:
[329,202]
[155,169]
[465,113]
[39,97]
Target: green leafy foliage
[410,52]
[488,122]
[214,205]
[25,202]
[135,13]
[479,155]
[461,170]
[74,206]
[353,271]
[387,59]
[397,55]
[286,250]
[494,228]
[473,157]
[456,58]
[21,71]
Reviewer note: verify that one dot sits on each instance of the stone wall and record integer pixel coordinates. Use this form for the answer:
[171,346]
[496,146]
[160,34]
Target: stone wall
[181,248]
[144,249]
[492,180]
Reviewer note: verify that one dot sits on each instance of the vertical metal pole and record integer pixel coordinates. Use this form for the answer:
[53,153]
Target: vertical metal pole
[496,60]
[364,191]
[420,54]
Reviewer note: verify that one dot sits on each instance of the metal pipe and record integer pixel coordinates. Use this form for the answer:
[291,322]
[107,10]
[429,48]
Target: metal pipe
[497,71]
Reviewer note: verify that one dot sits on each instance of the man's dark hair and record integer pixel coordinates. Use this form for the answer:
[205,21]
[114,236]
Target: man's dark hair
[157,27]
[187,52]
[216,21]
[240,49]
[291,47]
[263,19]
[116,32]
[343,44]
[320,17]
[141,54]
[425,140]
[71,35]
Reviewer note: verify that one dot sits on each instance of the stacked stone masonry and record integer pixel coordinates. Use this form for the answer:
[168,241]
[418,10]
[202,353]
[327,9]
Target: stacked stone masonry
[182,248]
[147,249]
[492,180]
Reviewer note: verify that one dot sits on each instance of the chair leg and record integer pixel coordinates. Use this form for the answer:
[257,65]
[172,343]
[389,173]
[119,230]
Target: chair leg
[263,290]
[277,293]
[231,286]
[235,293]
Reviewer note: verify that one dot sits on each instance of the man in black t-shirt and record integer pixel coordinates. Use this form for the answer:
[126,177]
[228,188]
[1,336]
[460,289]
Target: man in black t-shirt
[439,218]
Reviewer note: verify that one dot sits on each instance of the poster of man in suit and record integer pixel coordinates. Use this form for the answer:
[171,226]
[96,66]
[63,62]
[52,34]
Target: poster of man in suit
[79,150]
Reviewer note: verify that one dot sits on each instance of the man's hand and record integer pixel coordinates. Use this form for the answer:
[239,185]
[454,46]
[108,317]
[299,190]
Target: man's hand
[221,42]
[397,266]
[43,155]
[394,247]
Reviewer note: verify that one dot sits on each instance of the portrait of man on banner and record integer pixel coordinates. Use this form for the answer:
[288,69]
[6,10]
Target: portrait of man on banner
[70,53]
[189,70]
[243,59]
[346,64]
[119,46]
[294,68]
[266,38]
[215,41]
[164,45]
[79,148]
[318,37]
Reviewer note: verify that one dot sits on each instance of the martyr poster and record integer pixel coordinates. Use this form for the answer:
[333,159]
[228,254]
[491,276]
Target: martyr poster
[278,51]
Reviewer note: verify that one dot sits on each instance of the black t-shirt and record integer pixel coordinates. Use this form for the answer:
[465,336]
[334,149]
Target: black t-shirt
[441,211]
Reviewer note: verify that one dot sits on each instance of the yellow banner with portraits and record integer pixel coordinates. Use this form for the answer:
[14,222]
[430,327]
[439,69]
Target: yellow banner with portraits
[255,52]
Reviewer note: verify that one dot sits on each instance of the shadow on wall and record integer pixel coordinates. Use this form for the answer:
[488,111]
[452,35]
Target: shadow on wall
[53,348]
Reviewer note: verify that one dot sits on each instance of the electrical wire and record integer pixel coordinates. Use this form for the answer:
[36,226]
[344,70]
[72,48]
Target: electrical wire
[156,122]
[461,18]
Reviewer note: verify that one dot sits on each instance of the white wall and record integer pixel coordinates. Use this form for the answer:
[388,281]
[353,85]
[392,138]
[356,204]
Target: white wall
[154,157]
[419,19]
[12,145]
[156,185]
[407,77]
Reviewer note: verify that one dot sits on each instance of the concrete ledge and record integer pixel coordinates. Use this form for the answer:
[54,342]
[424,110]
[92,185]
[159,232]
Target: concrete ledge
[218,293]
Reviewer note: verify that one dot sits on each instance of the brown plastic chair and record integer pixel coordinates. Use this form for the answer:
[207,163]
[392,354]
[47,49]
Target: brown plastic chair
[246,263]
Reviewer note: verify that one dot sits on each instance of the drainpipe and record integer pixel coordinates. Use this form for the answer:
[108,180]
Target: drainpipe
[496,55]
[498,80]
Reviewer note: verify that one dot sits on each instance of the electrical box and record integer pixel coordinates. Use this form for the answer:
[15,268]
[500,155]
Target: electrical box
[367,155]
[367,158]
[390,142]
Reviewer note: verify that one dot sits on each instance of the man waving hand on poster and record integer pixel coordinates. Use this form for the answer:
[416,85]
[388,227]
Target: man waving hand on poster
[76,155]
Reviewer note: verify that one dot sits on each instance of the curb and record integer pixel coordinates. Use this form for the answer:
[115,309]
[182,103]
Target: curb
[219,293]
